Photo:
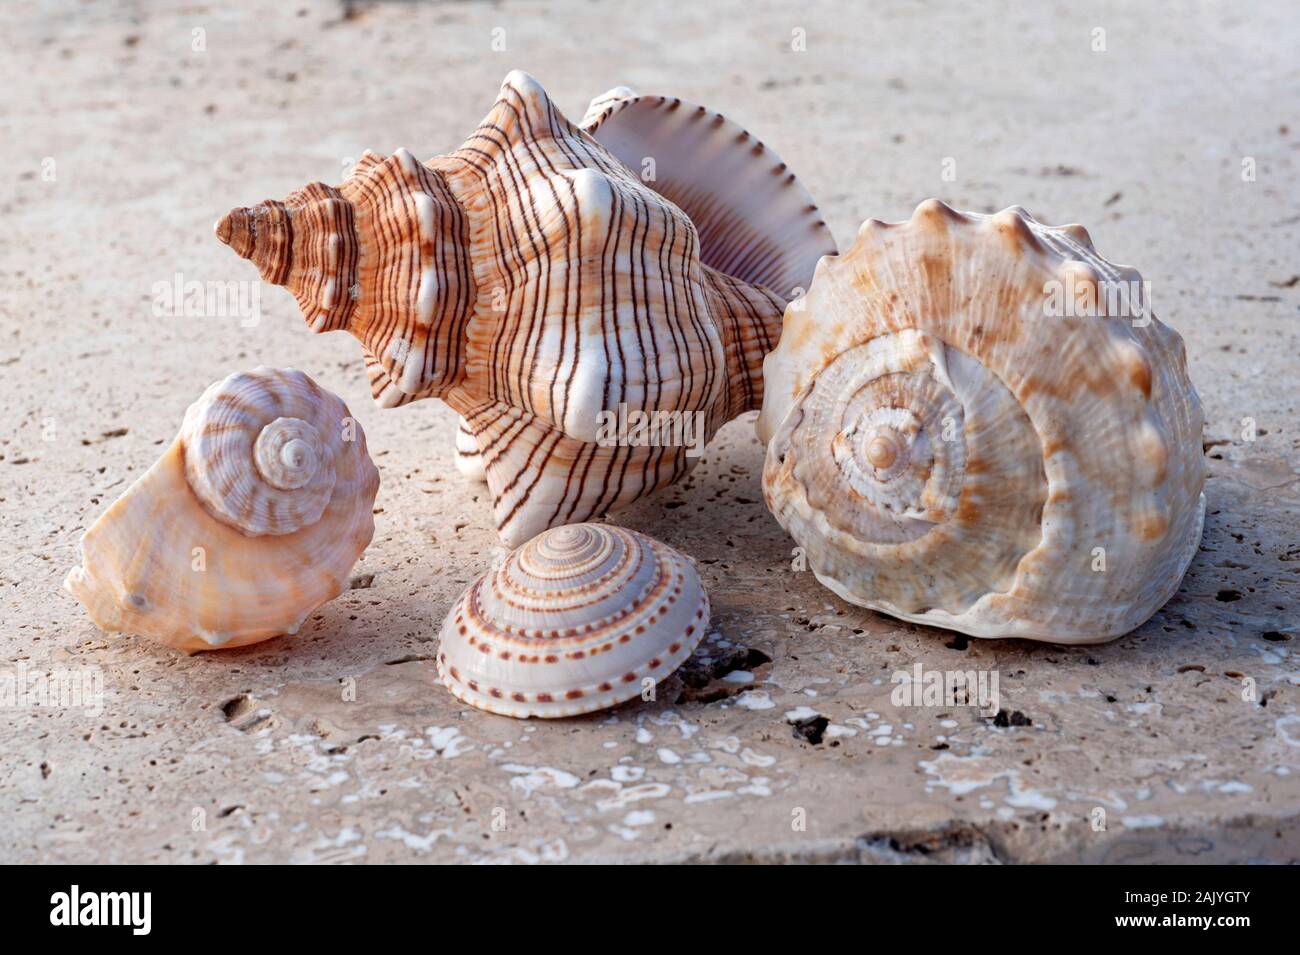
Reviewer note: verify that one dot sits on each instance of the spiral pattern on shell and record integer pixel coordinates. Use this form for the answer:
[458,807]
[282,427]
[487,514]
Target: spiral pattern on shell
[575,620]
[250,520]
[263,448]
[967,428]
[921,436]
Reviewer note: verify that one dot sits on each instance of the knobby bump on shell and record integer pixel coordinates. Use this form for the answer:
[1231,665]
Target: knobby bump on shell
[949,451]
[580,618]
[251,519]
[538,285]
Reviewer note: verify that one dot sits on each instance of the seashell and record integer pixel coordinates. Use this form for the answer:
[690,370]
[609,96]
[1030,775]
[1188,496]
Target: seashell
[250,520]
[469,460]
[950,450]
[755,221]
[576,620]
[532,281]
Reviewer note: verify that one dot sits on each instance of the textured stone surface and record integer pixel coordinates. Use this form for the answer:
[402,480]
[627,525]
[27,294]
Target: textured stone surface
[785,715]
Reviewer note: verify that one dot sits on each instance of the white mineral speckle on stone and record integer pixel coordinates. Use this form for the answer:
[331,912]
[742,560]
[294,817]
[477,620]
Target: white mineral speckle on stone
[685,727]
[531,778]
[1288,729]
[447,741]
[412,841]
[1028,798]
[709,796]
[633,794]
[1142,822]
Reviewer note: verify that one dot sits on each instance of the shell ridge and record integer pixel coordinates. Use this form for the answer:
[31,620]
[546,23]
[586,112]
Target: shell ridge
[585,655]
[768,232]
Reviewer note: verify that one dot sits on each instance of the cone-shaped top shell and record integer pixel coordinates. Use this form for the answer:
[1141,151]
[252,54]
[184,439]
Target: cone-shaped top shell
[580,618]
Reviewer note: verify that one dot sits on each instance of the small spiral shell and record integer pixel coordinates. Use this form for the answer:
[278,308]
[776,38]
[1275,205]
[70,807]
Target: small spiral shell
[251,519]
[576,620]
[955,441]
[261,450]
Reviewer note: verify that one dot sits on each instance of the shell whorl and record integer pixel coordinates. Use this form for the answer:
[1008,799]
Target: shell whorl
[572,580]
[263,450]
[951,450]
[900,437]
[252,518]
[573,621]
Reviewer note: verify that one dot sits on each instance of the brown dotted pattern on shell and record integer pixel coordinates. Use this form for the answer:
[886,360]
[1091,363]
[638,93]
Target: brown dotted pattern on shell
[589,583]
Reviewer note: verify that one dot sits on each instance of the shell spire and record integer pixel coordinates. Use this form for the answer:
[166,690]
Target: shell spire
[580,618]
[384,255]
[536,284]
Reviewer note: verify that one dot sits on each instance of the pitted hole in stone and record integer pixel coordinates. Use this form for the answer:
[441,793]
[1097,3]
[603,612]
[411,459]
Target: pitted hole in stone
[287,453]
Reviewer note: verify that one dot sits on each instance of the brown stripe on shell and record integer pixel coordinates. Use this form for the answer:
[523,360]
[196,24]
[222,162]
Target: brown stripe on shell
[533,281]
[627,584]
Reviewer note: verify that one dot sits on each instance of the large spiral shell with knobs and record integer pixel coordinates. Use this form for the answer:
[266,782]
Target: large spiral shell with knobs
[580,618]
[252,518]
[975,422]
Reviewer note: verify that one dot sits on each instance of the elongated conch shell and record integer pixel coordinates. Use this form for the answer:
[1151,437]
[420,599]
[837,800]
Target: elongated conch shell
[250,520]
[532,281]
[975,422]
[580,618]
